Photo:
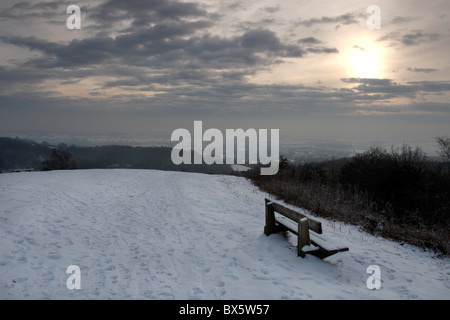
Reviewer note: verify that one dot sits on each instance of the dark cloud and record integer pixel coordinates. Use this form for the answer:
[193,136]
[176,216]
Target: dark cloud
[110,16]
[314,41]
[32,10]
[164,41]
[76,53]
[205,100]
[401,20]
[430,86]
[416,37]
[368,81]
[322,50]
[144,13]
[309,40]
[387,86]
[345,19]
[267,40]
[432,107]
[172,47]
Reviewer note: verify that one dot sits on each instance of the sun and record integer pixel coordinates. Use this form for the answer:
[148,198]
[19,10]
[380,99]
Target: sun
[365,63]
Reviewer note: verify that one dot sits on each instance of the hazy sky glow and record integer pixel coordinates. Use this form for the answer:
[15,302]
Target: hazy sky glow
[309,68]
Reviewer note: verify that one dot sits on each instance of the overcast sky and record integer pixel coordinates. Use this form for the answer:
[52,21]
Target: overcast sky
[312,69]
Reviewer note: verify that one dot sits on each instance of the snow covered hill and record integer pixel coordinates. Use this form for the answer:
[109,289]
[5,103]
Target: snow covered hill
[143,234]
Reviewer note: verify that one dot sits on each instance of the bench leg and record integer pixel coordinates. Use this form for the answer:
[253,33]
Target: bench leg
[270,226]
[303,236]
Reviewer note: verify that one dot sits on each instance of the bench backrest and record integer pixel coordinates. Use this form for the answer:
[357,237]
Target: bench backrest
[314,225]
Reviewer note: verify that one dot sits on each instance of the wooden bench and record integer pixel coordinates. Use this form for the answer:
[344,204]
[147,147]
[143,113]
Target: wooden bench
[308,242]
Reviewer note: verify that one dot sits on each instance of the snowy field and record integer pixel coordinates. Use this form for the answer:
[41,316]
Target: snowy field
[143,234]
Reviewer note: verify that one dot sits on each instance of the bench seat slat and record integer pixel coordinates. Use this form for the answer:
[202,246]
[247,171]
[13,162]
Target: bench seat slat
[318,243]
[326,245]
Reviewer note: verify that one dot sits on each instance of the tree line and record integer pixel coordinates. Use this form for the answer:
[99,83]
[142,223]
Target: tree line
[18,153]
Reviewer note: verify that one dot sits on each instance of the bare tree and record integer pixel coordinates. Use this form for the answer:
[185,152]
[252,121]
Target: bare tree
[444,145]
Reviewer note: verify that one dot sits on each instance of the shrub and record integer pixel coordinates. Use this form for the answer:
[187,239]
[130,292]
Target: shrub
[396,193]
[414,187]
[59,160]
